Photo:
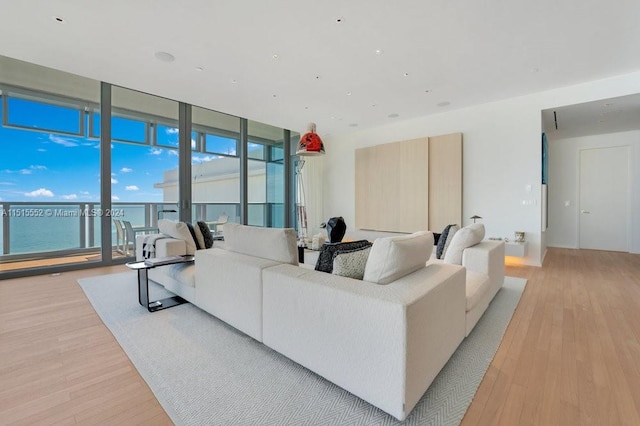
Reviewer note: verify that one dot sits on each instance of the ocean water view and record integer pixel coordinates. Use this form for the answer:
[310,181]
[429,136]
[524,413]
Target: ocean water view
[40,228]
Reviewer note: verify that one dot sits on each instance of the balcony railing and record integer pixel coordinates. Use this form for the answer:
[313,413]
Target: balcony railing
[53,229]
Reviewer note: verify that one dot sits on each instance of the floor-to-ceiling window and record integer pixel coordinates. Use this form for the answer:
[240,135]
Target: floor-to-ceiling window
[215,168]
[266,194]
[144,164]
[49,167]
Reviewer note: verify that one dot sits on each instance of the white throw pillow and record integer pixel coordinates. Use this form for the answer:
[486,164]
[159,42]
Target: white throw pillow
[464,238]
[178,230]
[351,263]
[394,257]
[277,244]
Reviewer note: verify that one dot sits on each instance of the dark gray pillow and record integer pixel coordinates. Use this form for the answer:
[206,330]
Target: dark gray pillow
[206,234]
[328,250]
[444,237]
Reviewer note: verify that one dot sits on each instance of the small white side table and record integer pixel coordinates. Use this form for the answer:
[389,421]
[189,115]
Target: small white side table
[513,248]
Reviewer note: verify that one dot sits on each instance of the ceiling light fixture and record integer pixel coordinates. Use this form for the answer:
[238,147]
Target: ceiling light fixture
[444,103]
[394,115]
[339,20]
[379,51]
[274,56]
[199,69]
[406,74]
[59,19]
[164,56]
[348,93]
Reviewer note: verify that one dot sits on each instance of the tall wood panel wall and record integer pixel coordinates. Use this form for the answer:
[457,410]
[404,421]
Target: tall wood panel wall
[409,185]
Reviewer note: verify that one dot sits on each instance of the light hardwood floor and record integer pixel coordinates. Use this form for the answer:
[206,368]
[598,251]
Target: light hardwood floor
[570,356]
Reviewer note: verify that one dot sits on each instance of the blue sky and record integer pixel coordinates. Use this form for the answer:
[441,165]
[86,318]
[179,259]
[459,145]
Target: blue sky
[39,166]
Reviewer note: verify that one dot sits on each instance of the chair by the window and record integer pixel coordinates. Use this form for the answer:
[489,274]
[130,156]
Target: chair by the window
[120,237]
[129,239]
[222,219]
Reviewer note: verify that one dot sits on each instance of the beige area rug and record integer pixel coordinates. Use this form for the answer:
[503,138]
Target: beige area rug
[205,372]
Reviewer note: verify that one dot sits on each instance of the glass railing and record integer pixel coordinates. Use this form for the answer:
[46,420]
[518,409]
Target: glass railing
[55,229]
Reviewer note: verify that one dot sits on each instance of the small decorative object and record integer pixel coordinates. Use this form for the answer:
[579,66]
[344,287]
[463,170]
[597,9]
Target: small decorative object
[336,228]
[310,143]
[474,217]
[519,236]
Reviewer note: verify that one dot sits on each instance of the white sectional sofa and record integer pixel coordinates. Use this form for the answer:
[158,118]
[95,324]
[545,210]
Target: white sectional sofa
[384,338]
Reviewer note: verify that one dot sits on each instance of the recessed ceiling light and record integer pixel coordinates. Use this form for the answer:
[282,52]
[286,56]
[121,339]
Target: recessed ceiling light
[444,104]
[164,56]
[406,74]
[427,91]
[348,93]
[353,125]
[394,115]
[379,51]
[274,95]
[59,20]
[199,69]
[274,56]
[339,20]
[306,107]
[234,81]
[374,105]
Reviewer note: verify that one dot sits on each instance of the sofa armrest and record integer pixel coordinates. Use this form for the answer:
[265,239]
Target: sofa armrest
[486,257]
[164,247]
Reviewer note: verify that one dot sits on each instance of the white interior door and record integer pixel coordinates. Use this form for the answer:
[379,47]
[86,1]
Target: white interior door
[604,199]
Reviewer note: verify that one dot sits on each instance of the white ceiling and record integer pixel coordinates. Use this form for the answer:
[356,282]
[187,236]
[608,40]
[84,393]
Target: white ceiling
[327,69]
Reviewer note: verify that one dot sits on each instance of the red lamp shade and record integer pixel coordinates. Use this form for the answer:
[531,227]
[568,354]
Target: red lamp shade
[310,143]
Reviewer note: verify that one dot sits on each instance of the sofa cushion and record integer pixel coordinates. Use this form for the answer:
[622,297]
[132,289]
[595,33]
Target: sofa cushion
[178,230]
[351,263]
[394,257]
[328,250]
[445,239]
[464,238]
[196,234]
[277,244]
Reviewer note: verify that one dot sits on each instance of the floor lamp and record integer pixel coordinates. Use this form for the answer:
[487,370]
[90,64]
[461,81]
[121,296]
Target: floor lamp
[309,144]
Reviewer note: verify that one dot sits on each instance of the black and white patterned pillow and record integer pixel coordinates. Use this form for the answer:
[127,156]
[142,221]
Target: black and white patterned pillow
[445,240]
[351,263]
[325,257]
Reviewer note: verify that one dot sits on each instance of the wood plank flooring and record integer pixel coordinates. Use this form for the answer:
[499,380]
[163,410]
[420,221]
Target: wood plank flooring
[570,356]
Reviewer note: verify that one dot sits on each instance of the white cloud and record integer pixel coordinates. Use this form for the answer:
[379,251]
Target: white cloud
[41,150]
[131,188]
[155,151]
[42,192]
[114,181]
[126,170]
[174,153]
[115,198]
[38,167]
[84,192]
[69,197]
[62,141]
[193,144]
[205,159]
[25,171]
[7,183]
[172,131]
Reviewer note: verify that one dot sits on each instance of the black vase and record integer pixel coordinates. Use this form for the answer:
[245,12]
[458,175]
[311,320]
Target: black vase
[336,228]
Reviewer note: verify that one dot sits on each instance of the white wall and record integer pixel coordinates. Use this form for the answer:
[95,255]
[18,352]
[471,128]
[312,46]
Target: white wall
[501,157]
[564,159]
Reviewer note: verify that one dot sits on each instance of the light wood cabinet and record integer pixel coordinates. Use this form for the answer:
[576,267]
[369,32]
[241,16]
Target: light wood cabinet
[409,185]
